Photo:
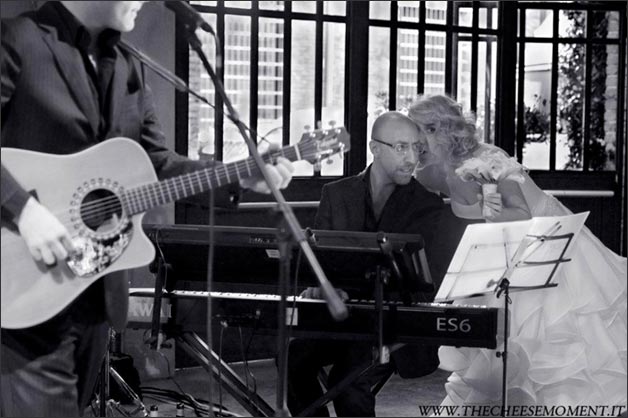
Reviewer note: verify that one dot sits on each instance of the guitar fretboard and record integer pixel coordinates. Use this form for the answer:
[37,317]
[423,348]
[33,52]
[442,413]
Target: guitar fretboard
[142,198]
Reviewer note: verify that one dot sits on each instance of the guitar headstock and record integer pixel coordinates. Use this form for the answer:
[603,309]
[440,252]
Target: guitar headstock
[321,144]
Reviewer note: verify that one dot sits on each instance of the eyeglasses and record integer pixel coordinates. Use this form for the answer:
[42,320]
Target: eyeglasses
[402,148]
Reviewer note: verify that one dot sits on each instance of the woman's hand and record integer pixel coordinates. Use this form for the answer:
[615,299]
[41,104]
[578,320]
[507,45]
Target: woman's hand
[492,202]
[507,205]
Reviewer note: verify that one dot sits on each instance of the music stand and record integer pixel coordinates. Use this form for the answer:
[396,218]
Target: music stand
[500,257]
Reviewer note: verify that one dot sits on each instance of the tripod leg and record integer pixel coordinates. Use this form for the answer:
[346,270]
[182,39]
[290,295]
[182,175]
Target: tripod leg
[103,387]
[128,391]
[106,405]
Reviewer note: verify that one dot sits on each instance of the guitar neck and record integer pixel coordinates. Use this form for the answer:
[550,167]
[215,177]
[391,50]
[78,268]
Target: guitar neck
[145,197]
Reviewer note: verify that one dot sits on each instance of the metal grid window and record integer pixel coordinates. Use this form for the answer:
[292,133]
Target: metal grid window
[283,68]
[493,57]
[434,47]
[570,85]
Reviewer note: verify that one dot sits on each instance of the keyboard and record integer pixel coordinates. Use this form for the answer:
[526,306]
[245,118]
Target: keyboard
[425,323]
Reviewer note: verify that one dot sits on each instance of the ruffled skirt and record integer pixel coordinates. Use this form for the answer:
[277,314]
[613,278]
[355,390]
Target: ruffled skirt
[567,344]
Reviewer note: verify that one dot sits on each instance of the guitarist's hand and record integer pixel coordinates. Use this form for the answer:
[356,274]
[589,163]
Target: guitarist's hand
[279,173]
[47,239]
[316,293]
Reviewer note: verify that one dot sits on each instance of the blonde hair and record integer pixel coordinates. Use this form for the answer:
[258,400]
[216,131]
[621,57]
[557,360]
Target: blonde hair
[459,129]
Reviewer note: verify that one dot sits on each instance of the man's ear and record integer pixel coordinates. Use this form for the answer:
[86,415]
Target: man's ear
[374,147]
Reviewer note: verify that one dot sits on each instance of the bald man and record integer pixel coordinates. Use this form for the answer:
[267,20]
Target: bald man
[384,197]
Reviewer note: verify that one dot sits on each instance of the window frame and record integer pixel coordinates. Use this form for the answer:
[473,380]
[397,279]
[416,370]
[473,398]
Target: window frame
[555,41]
[508,106]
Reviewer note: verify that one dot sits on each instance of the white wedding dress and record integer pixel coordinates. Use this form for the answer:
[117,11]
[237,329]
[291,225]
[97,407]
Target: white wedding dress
[567,344]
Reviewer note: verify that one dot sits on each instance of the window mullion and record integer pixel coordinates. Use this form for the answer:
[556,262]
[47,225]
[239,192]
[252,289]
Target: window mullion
[451,60]
[474,57]
[318,64]
[421,50]
[554,94]
[254,71]
[219,119]
[521,123]
[394,52]
[588,87]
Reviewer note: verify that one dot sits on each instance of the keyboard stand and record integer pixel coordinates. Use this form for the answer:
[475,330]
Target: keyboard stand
[382,356]
[200,352]
[336,390]
[226,376]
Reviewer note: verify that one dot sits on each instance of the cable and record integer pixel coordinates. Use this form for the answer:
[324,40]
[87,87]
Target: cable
[247,371]
[223,326]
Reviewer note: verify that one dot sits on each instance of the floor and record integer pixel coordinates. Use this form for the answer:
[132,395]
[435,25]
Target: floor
[399,397]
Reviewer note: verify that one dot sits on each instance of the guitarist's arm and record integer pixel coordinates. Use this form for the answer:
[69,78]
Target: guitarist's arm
[12,196]
[46,238]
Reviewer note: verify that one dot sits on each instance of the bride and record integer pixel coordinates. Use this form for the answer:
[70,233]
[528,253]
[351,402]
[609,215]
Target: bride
[567,345]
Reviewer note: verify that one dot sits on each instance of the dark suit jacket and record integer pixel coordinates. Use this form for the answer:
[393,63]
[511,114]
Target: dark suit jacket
[411,209]
[47,106]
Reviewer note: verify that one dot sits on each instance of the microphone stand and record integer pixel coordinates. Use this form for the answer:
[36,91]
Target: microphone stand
[335,305]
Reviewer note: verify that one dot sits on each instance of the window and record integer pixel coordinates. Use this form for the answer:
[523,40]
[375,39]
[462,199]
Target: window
[433,47]
[521,67]
[284,69]
[568,70]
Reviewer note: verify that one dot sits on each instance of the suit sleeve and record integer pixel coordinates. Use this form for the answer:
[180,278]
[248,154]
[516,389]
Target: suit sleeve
[323,218]
[10,64]
[168,163]
[431,216]
[13,196]
[447,236]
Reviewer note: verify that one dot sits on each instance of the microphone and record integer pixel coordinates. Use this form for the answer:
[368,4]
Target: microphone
[387,249]
[189,16]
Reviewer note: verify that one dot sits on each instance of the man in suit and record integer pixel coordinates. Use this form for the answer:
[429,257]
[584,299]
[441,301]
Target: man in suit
[66,86]
[384,197]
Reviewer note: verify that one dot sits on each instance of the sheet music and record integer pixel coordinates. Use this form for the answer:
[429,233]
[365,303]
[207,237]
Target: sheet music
[488,251]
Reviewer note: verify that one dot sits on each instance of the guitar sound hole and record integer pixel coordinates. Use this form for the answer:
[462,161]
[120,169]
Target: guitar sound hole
[101,210]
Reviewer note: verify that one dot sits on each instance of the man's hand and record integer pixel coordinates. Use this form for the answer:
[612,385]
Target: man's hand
[315,293]
[46,238]
[280,174]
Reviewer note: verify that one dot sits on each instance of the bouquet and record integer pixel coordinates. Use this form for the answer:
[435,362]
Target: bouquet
[488,169]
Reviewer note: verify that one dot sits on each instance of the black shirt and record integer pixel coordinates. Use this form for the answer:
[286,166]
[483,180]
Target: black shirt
[71,31]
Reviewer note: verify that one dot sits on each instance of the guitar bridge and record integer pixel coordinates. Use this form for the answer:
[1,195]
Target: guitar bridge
[93,254]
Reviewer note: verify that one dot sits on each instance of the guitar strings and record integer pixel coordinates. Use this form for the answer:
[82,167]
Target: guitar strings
[106,206]
[96,207]
[145,195]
